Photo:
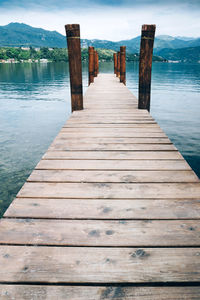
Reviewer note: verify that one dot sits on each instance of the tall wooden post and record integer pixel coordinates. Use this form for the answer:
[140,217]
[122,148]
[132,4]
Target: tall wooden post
[118,64]
[123,64]
[146,53]
[95,63]
[91,64]
[115,63]
[75,66]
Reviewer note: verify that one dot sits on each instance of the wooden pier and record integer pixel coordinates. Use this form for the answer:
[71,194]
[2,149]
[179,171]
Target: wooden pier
[112,211]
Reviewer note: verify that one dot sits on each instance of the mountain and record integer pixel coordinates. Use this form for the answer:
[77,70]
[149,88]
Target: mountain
[19,34]
[190,54]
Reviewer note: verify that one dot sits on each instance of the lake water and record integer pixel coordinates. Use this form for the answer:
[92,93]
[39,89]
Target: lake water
[35,103]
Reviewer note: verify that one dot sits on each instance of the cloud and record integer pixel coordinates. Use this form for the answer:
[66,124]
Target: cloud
[103,20]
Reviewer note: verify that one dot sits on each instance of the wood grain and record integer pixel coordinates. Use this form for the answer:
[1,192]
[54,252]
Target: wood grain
[110,190]
[111,176]
[104,208]
[100,233]
[123,165]
[114,155]
[25,292]
[98,265]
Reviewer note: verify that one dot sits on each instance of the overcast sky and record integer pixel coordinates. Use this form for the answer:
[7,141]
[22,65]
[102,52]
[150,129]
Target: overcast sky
[106,19]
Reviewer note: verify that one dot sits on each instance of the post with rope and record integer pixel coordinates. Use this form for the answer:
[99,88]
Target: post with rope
[75,66]
[91,65]
[123,64]
[146,53]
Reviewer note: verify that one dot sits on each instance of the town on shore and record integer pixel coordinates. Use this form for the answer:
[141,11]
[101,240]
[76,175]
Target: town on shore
[45,54]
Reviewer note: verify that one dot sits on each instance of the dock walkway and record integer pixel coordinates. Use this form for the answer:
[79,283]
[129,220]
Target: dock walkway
[112,211]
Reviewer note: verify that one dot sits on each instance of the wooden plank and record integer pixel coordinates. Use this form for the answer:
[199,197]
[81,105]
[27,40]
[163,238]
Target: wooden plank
[114,155]
[111,140]
[67,145]
[110,190]
[104,209]
[112,131]
[75,125]
[112,176]
[86,117]
[98,265]
[100,233]
[23,292]
[114,134]
[112,165]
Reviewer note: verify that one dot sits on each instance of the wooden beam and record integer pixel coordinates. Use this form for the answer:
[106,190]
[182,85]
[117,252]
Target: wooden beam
[91,64]
[146,53]
[118,64]
[95,63]
[75,66]
[123,64]
[115,63]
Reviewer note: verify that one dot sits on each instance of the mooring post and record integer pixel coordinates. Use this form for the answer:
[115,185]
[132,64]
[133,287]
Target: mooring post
[75,66]
[95,63]
[123,64]
[118,64]
[115,63]
[91,64]
[146,53]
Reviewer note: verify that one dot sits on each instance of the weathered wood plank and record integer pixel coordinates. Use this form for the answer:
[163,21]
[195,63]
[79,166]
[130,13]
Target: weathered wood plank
[114,155]
[67,145]
[112,165]
[112,131]
[104,208]
[112,176]
[110,190]
[24,292]
[110,140]
[100,233]
[75,125]
[115,134]
[103,265]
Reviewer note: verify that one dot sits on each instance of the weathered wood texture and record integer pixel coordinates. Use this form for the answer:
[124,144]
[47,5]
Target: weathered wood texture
[75,66]
[118,64]
[41,292]
[146,53]
[111,201]
[123,64]
[91,61]
[95,63]
[98,265]
[115,63]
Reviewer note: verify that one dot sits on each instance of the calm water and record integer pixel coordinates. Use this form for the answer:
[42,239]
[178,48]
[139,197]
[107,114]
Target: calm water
[35,103]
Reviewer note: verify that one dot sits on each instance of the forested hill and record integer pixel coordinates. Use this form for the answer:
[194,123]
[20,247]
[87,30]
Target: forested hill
[191,54]
[19,34]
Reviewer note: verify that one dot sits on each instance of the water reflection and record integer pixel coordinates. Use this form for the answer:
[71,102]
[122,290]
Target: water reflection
[35,103]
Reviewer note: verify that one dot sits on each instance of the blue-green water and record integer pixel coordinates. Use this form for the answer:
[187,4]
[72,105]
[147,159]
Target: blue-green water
[35,103]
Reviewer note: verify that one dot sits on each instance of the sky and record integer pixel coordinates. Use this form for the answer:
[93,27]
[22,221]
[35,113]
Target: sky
[106,19]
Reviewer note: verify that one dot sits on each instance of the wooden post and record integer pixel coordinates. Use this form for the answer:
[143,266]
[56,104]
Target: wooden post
[118,64]
[115,63]
[75,66]
[146,53]
[91,64]
[123,64]
[95,63]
